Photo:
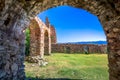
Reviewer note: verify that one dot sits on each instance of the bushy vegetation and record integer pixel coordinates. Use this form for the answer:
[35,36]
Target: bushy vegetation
[70,66]
[27,42]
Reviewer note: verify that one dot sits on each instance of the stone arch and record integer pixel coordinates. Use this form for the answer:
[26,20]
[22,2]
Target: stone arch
[17,15]
[53,35]
[35,38]
[37,28]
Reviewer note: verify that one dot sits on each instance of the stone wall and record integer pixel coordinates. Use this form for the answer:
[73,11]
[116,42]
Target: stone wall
[53,35]
[41,37]
[46,43]
[78,48]
[39,40]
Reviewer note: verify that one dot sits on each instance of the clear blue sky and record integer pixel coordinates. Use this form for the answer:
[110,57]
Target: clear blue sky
[73,24]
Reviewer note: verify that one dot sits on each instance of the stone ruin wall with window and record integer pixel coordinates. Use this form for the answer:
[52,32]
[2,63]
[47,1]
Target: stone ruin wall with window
[78,48]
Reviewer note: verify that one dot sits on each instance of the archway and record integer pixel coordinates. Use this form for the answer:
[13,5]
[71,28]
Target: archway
[15,17]
[39,41]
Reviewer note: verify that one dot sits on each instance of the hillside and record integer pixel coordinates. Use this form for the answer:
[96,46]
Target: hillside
[90,42]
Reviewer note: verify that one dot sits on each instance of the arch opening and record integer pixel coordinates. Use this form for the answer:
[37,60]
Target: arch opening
[12,44]
[68,49]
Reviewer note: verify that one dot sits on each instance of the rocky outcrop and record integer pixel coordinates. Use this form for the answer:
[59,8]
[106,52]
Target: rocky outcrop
[15,16]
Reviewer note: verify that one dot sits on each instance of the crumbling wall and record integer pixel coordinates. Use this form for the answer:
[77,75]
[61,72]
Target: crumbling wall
[53,35]
[39,41]
[35,38]
[78,48]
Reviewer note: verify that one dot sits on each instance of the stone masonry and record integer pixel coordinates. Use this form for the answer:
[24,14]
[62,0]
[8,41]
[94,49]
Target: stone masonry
[39,41]
[42,35]
[53,35]
[78,48]
[15,16]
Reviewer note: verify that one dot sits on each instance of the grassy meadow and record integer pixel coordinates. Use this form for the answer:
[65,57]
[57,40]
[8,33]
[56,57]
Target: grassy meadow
[70,66]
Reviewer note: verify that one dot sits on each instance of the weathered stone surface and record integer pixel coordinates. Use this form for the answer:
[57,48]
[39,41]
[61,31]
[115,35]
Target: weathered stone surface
[15,16]
[14,68]
[78,48]
[36,59]
[40,41]
[53,35]
[7,67]
[39,38]
[2,74]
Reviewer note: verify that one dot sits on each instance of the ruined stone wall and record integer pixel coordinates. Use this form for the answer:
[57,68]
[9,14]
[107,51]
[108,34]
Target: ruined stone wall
[78,48]
[47,38]
[35,37]
[39,38]
[53,35]
[46,43]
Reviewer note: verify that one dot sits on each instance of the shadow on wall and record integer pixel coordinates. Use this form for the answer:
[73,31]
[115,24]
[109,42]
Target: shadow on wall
[31,78]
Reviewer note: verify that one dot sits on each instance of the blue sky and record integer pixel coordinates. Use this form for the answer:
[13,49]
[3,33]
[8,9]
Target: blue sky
[73,24]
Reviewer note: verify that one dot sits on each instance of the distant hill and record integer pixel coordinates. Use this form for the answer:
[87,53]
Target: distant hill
[90,42]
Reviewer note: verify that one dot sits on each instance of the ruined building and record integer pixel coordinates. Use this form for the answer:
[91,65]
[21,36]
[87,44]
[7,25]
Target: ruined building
[41,37]
[53,35]
[15,17]
[78,48]
[52,31]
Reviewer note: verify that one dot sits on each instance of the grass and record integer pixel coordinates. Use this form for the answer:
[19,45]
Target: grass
[71,66]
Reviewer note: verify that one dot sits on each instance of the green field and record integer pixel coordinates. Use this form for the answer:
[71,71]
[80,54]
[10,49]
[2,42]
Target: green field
[71,66]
